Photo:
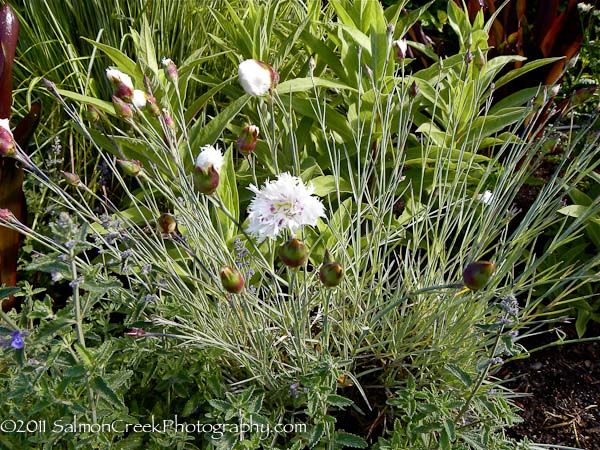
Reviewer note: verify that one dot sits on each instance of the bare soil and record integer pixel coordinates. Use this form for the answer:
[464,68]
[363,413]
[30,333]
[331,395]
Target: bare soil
[562,388]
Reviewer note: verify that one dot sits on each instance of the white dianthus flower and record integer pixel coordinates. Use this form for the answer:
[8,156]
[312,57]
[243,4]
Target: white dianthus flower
[401,46]
[5,124]
[256,77]
[116,76]
[284,203]
[487,197]
[209,156]
[139,99]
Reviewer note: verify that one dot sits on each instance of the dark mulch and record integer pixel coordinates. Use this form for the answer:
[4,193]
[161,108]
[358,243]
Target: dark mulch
[562,384]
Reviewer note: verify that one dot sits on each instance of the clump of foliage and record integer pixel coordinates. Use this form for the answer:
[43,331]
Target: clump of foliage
[337,252]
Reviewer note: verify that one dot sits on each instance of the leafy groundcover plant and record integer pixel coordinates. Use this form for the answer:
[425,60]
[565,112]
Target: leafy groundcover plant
[360,297]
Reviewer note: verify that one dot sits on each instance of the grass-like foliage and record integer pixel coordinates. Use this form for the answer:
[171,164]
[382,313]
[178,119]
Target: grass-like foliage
[417,175]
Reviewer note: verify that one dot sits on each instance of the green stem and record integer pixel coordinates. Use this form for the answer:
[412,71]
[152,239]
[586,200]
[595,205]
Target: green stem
[481,378]
[79,328]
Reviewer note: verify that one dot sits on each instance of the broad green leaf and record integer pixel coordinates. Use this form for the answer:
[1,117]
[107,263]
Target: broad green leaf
[228,193]
[326,184]
[203,135]
[122,61]
[102,105]
[306,84]
[573,210]
[201,101]
[515,73]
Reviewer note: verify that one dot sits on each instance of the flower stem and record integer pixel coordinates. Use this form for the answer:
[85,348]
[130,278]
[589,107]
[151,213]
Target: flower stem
[481,378]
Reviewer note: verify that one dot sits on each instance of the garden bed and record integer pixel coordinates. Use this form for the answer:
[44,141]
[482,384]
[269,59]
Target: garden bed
[562,387]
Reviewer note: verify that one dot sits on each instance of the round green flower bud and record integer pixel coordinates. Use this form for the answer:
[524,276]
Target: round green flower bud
[232,280]
[130,167]
[476,275]
[293,253]
[166,224]
[331,274]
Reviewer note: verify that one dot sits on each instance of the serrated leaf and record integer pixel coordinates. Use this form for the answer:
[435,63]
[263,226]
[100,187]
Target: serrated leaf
[316,435]
[460,374]
[349,440]
[338,400]
[52,328]
[103,389]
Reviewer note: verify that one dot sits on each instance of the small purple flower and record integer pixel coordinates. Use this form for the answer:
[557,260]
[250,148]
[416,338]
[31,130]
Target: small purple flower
[17,339]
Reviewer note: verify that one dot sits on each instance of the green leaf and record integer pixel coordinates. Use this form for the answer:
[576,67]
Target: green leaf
[102,105]
[338,401]
[583,317]
[203,135]
[573,210]
[316,435]
[327,184]
[460,374]
[52,328]
[123,62]
[428,428]
[6,292]
[84,354]
[515,73]
[349,440]
[103,389]
[306,84]
[228,193]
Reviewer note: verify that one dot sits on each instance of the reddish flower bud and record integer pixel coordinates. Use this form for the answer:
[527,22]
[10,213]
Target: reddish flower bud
[476,275]
[121,83]
[413,91]
[152,106]
[206,181]
[7,142]
[207,168]
[121,108]
[169,122]
[232,280]
[170,70]
[6,215]
[246,142]
[293,253]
